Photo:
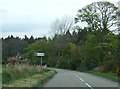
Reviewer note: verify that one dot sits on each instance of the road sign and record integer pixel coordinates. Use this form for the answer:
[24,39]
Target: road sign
[40,54]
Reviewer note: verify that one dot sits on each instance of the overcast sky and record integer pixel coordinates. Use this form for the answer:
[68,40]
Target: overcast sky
[34,17]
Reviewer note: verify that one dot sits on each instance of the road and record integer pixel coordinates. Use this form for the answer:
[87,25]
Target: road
[68,78]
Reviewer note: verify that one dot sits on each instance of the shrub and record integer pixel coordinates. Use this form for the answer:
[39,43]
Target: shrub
[107,66]
[118,70]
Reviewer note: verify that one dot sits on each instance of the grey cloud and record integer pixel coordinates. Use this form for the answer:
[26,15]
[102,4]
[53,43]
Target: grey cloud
[3,11]
[23,27]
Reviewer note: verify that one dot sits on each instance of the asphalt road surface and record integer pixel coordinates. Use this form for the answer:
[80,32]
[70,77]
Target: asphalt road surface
[68,78]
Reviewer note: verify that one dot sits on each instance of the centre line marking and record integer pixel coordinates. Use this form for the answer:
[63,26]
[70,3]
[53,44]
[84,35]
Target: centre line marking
[81,79]
[88,85]
[76,76]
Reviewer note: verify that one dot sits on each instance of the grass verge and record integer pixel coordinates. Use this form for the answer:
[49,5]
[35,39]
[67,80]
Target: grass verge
[16,72]
[35,80]
[45,77]
[109,75]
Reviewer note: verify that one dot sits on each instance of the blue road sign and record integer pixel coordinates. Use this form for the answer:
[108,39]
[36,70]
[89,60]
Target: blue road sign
[35,54]
[39,54]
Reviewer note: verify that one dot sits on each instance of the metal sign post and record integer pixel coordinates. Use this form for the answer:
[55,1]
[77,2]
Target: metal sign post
[41,64]
[40,54]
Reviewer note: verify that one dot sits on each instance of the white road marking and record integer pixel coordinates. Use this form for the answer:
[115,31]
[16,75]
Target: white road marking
[88,85]
[76,76]
[83,81]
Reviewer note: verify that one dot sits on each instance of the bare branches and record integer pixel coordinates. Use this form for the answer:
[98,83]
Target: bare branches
[61,26]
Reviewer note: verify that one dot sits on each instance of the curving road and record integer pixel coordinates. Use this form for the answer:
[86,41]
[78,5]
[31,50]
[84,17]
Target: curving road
[68,78]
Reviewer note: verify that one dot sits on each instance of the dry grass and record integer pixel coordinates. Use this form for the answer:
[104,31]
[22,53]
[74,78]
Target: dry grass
[16,72]
[33,81]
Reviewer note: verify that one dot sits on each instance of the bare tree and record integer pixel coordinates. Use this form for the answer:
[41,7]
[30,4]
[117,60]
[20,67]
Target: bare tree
[118,18]
[61,26]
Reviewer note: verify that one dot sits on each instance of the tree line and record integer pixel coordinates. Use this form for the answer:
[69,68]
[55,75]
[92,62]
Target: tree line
[11,46]
[74,47]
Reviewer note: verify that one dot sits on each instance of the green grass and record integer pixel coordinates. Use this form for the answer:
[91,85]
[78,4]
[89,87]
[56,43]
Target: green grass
[35,80]
[12,73]
[109,75]
[45,77]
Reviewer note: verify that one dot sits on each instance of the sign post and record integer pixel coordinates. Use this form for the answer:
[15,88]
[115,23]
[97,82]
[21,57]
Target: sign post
[41,64]
[41,55]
